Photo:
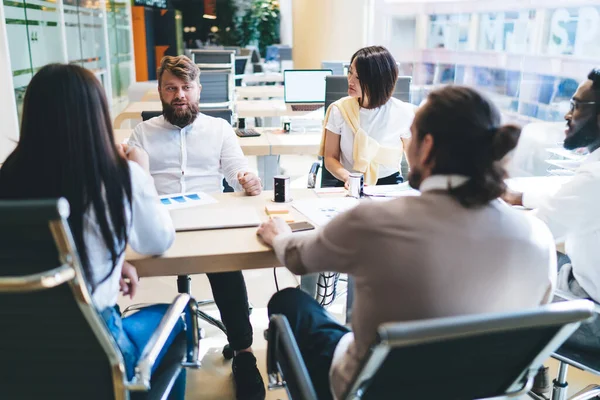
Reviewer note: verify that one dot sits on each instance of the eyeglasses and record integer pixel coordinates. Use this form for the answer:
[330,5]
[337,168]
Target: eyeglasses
[575,104]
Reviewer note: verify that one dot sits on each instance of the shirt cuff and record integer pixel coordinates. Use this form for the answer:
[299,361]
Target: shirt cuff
[280,244]
[534,199]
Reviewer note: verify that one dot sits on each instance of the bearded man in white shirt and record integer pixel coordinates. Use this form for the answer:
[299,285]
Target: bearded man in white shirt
[192,152]
[573,214]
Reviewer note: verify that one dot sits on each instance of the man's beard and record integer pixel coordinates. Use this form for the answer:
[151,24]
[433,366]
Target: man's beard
[587,136]
[415,178]
[180,117]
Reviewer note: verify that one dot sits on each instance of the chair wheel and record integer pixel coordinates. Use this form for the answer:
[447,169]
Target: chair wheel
[228,352]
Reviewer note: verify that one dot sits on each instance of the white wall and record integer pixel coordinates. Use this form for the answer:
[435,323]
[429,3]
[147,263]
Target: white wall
[286,31]
[9,129]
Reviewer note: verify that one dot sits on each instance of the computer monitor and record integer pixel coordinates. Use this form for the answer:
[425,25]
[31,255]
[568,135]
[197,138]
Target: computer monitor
[336,87]
[305,85]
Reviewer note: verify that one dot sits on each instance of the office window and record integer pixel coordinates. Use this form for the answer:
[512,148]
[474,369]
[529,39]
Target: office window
[508,31]
[449,31]
[574,31]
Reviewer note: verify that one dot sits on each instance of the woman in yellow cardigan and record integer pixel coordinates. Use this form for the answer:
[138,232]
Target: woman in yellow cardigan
[367,131]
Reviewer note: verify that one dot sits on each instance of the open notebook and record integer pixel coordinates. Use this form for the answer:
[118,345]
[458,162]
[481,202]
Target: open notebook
[202,218]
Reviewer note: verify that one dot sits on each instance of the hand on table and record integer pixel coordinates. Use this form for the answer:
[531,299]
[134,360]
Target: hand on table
[129,281]
[267,231]
[251,183]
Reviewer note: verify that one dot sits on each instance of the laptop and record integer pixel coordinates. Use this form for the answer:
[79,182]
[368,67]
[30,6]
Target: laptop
[304,89]
[205,218]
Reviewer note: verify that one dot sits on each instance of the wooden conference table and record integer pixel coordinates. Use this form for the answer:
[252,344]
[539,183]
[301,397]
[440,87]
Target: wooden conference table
[220,250]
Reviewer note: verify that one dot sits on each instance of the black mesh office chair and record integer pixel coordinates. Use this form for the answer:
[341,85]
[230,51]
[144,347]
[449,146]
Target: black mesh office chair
[240,68]
[569,354]
[53,342]
[183,281]
[488,355]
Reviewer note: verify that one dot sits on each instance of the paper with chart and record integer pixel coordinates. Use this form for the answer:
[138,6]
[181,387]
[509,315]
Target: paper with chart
[321,211]
[186,200]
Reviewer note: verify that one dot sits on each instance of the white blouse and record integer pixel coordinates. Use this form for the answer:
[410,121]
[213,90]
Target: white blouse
[387,124]
[151,232]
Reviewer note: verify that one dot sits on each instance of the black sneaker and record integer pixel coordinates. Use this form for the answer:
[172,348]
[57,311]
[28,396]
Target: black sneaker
[541,382]
[249,384]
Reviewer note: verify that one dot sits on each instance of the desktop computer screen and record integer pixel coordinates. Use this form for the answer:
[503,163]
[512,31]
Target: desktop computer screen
[305,86]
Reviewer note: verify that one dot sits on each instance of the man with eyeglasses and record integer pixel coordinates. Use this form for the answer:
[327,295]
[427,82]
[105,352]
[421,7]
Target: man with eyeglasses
[573,214]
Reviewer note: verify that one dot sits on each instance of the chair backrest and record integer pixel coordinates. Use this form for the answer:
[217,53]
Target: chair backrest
[225,113]
[240,64]
[483,355]
[213,59]
[53,343]
[337,67]
[217,88]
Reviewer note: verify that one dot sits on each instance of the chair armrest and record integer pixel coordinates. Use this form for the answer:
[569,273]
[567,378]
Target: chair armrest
[143,369]
[283,349]
[569,297]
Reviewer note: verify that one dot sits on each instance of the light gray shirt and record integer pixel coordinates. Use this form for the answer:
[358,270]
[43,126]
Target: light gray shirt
[425,257]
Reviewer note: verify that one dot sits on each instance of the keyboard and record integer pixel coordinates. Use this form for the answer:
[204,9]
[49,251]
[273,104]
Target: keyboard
[306,107]
[248,132]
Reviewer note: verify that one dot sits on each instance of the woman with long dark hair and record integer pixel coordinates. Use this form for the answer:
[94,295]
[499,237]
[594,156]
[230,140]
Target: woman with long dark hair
[67,149]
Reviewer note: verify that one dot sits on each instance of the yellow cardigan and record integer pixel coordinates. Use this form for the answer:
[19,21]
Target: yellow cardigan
[367,152]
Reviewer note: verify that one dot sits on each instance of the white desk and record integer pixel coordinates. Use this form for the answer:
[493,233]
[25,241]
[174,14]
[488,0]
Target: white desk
[259,92]
[272,108]
[268,77]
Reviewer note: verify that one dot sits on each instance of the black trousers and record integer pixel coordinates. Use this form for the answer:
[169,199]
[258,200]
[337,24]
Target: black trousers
[231,297]
[316,333]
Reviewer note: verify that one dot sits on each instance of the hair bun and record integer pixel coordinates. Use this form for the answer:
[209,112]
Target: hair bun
[504,140]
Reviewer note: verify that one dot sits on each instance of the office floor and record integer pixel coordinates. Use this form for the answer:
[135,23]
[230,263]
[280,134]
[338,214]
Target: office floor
[213,381]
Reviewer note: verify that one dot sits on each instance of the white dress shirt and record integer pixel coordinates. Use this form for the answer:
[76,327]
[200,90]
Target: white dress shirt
[387,124]
[428,256]
[151,232]
[573,216]
[191,159]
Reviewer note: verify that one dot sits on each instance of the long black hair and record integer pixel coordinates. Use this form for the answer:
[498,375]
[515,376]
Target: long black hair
[67,149]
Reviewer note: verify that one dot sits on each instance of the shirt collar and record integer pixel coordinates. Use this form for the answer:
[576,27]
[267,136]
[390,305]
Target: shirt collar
[594,156]
[442,182]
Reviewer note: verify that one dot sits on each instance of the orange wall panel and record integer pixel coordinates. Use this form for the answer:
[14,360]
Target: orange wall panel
[139,43]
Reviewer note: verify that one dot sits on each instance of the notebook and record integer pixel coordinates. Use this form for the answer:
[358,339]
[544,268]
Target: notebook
[203,218]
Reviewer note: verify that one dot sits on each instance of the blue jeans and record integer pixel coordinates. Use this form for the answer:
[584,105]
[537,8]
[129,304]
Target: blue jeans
[133,333]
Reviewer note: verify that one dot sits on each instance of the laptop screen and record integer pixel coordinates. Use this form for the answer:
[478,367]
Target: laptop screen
[305,86]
